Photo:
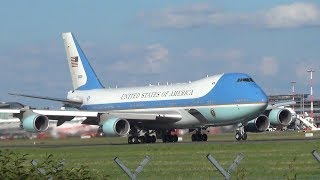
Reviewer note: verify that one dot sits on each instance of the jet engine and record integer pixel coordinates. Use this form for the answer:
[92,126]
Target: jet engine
[260,124]
[116,127]
[280,116]
[33,122]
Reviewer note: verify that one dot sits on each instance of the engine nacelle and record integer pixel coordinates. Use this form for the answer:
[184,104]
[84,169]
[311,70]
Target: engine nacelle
[33,122]
[280,116]
[260,124]
[116,127]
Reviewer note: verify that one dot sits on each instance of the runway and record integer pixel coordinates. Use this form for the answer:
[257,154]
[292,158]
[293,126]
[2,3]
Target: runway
[57,144]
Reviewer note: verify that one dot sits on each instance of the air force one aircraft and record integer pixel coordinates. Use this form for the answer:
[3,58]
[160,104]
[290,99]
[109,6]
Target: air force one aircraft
[140,112]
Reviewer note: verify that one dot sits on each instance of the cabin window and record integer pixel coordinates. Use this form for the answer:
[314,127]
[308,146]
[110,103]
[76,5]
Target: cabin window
[245,80]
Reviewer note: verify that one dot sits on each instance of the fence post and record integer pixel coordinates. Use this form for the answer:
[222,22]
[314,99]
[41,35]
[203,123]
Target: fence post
[41,170]
[316,155]
[232,167]
[131,175]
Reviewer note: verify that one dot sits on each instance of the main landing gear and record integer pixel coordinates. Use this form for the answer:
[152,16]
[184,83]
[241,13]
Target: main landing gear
[141,139]
[166,136]
[240,133]
[198,136]
[135,138]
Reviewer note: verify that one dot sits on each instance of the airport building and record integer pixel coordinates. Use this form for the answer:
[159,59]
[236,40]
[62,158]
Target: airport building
[302,106]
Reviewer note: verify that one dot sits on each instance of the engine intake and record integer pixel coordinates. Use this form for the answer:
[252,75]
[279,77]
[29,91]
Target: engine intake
[116,127]
[33,122]
[280,116]
[260,124]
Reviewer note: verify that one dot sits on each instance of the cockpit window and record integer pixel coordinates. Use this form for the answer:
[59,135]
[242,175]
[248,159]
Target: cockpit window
[245,80]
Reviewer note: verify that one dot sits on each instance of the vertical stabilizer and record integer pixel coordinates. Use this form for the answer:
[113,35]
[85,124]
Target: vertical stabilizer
[82,75]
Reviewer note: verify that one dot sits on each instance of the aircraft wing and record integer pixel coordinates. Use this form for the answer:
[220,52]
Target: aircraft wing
[94,118]
[134,117]
[59,115]
[65,101]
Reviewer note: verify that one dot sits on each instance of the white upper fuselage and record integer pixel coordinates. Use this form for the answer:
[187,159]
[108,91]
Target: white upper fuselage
[192,90]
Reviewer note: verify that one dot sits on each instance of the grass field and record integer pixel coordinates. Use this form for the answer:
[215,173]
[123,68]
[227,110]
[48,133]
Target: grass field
[279,159]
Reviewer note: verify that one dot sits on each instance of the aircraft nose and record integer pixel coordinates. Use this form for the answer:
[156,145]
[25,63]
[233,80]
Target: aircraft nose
[262,97]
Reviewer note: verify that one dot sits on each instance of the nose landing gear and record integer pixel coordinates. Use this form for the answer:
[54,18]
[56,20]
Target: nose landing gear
[240,133]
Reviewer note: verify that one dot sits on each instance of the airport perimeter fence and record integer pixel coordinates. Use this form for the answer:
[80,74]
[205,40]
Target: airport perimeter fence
[225,173]
[216,166]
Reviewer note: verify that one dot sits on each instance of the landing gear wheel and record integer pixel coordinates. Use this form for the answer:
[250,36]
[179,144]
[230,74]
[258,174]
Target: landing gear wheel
[147,138]
[199,137]
[194,137]
[204,137]
[153,139]
[244,136]
[135,140]
[169,138]
[238,136]
[175,138]
[142,139]
[130,140]
[164,138]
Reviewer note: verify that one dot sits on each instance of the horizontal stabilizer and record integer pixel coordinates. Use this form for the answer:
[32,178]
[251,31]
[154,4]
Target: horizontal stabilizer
[65,101]
[4,105]
[11,105]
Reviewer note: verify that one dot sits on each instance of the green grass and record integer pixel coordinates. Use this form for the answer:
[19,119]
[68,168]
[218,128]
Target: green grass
[279,159]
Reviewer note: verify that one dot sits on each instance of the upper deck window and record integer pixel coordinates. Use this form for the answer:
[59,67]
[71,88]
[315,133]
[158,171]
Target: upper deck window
[245,80]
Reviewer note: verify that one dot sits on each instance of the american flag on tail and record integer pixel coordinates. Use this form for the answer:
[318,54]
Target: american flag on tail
[74,61]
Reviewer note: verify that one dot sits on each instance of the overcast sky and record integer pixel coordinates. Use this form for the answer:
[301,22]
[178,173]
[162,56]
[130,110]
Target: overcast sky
[134,43]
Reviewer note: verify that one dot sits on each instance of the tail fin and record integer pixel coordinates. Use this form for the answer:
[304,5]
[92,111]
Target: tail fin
[82,75]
